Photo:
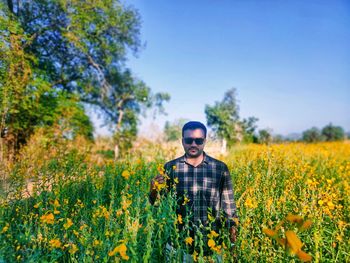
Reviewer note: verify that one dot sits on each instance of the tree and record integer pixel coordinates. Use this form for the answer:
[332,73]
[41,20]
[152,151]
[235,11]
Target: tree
[249,128]
[27,100]
[312,135]
[223,118]
[333,133]
[25,97]
[278,138]
[79,48]
[173,131]
[265,136]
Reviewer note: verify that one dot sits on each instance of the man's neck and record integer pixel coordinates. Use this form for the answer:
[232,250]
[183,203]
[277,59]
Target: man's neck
[194,161]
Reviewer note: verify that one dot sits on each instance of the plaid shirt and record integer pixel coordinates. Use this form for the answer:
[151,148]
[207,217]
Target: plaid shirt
[206,187]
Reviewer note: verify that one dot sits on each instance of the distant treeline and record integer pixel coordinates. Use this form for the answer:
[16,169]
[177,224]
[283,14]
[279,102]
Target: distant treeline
[226,125]
[328,133]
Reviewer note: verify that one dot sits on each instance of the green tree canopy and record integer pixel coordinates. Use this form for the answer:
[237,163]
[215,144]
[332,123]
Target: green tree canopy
[265,136]
[333,133]
[223,117]
[249,126]
[173,131]
[312,135]
[74,49]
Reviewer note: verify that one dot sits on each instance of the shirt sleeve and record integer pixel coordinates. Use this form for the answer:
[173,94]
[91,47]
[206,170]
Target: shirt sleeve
[227,202]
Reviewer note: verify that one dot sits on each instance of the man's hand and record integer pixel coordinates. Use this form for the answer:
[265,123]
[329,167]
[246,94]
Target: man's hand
[233,234]
[160,179]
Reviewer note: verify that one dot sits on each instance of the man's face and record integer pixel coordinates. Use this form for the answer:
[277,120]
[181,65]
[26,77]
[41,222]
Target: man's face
[193,148]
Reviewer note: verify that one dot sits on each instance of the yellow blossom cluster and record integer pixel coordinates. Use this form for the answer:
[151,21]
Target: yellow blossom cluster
[121,249]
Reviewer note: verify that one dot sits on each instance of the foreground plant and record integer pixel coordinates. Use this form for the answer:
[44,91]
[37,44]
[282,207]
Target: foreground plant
[291,243]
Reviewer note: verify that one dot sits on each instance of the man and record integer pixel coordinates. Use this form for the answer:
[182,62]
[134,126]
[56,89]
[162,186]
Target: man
[203,184]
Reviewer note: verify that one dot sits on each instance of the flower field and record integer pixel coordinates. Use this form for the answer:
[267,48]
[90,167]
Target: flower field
[293,201]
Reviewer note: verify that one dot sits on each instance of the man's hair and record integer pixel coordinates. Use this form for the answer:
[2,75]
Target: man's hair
[192,125]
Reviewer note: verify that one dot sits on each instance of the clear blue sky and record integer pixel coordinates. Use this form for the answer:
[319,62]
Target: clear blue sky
[289,60]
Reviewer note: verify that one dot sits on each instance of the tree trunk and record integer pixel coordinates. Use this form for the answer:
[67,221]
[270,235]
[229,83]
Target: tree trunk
[2,161]
[10,5]
[118,127]
[223,146]
[116,152]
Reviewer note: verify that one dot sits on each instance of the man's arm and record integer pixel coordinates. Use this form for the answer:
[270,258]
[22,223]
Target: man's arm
[227,204]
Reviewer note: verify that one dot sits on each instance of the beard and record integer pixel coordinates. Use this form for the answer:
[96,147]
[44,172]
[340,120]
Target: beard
[193,152]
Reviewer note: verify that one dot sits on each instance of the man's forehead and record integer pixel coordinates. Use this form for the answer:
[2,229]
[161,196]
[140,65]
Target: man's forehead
[195,132]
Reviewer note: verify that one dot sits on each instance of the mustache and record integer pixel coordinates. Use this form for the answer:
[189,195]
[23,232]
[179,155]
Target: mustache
[193,148]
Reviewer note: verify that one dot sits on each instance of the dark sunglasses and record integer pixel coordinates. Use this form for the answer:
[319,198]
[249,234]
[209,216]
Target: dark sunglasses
[198,141]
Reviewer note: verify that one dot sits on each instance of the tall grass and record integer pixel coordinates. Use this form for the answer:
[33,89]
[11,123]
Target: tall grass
[85,211]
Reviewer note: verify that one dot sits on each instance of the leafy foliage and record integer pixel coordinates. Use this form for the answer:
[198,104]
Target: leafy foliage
[328,133]
[265,136]
[224,119]
[70,52]
[80,211]
[173,131]
[224,116]
[312,135]
[249,127]
[333,133]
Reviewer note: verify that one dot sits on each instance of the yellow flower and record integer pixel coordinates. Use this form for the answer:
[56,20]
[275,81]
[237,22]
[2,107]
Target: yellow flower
[249,203]
[73,249]
[211,218]
[341,224]
[294,218]
[158,186]
[68,224]
[339,238]
[97,243]
[126,174]
[121,249]
[189,241]
[48,219]
[304,256]
[179,219]
[211,243]
[195,256]
[125,203]
[293,241]
[186,200]
[217,249]
[56,203]
[5,228]
[213,234]
[160,169]
[330,205]
[135,226]
[306,225]
[269,232]
[55,243]
[119,212]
